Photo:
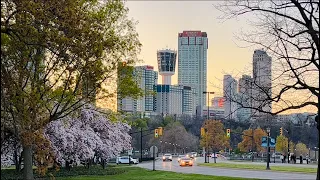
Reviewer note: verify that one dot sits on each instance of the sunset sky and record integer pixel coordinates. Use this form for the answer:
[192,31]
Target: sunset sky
[159,23]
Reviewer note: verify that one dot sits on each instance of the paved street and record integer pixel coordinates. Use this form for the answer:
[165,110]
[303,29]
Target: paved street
[174,166]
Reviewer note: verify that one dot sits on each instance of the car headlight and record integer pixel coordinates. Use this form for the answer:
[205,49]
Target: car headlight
[163,157]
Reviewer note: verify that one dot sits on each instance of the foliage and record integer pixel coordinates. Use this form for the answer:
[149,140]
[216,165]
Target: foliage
[91,134]
[246,143]
[301,149]
[282,144]
[175,138]
[56,57]
[215,137]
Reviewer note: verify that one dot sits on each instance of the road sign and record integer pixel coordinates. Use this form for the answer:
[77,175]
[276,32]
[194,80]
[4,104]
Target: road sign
[272,142]
[155,149]
[130,152]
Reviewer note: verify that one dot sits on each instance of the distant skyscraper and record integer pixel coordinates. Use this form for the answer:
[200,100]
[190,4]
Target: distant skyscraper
[146,78]
[261,81]
[166,64]
[192,62]
[245,97]
[230,94]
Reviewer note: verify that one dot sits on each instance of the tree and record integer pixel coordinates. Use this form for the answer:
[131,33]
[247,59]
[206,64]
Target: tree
[246,144]
[92,133]
[175,138]
[282,144]
[51,52]
[215,137]
[289,30]
[301,149]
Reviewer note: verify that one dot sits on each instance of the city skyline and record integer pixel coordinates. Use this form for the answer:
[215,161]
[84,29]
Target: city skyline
[225,52]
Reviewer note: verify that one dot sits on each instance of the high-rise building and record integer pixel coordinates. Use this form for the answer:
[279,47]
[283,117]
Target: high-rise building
[261,81]
[245,98]
[230,96]
[146,78]
[174,100]
[166,64]
[192,62]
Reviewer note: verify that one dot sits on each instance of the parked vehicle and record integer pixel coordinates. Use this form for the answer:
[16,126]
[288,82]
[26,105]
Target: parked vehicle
[125,160]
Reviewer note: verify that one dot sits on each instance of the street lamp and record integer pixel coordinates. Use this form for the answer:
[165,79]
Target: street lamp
[268,146]
[208,117]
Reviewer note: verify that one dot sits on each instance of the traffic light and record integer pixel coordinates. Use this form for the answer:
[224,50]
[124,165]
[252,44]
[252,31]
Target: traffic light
[203,132]
[281,131]
[160,131]
[228,132]
[156,133]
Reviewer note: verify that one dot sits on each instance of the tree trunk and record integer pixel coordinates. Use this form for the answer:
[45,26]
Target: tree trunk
[27,160]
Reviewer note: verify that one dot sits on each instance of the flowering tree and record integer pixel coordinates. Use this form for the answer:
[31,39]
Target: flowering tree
[92,133]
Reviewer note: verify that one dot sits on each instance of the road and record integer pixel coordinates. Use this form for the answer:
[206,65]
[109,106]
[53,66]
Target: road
[174,166]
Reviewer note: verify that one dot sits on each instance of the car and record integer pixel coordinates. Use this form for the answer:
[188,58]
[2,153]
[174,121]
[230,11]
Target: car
[195,154]
[186,161]
[167,157]
[190,155]
[180,156]
[125,160]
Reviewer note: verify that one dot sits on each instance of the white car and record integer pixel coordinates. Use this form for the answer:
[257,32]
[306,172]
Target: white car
[125,160]
[167,157]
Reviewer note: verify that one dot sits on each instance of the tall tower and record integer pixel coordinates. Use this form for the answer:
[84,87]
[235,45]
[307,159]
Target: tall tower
[262,81]
[192,62]
[229,93]
[166,64]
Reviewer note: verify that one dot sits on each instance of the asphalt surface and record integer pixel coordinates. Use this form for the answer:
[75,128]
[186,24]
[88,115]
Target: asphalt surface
[195,169]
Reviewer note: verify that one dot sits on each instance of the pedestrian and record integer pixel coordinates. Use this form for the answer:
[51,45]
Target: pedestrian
[281,157]
[284,158]
[301,160]
[307,158]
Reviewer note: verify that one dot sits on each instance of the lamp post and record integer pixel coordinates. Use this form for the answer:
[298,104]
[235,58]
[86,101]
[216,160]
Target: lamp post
[315,153]
[208,117]
[268,146]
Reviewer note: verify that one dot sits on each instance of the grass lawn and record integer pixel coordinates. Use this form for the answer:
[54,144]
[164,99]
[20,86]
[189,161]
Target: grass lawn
[136,173]
[262,167]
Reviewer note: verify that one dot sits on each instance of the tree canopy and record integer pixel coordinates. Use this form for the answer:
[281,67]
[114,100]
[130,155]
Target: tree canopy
[57,56]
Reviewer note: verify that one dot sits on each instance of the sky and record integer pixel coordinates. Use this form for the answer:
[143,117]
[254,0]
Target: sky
[159,23]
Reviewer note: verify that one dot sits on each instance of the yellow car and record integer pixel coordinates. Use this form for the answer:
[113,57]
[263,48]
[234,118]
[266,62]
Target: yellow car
[186,161]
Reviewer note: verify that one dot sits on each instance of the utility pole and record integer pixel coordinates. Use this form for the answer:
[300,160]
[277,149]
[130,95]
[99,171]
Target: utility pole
[141,145]
[252,140]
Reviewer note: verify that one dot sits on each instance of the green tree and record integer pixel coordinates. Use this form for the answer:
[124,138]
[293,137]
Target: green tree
[51,51]
[282,144]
